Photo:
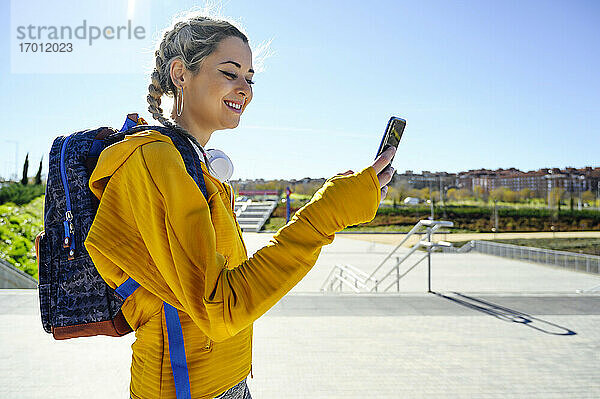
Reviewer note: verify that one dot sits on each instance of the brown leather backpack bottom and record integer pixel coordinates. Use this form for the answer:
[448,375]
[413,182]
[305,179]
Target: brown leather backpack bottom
[113,328]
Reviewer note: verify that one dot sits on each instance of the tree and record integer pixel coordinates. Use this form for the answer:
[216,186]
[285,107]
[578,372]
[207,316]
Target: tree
[403,192]
[452,194]
[392,194]
[38,175]
[510,196]
[556,195]
[479,193]
[25,169]
[588,197]
[496,194]
[571,202]
[526,194]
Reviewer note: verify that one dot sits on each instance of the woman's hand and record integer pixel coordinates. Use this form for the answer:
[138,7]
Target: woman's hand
[384,170]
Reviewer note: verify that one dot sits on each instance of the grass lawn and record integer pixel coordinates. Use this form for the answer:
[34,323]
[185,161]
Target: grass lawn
[274,224]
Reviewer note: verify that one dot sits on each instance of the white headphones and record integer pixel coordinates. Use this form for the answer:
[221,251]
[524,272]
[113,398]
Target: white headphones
[219,164]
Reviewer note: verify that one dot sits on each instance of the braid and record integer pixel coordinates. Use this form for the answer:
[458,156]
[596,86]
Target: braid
[155,93]
[191,41]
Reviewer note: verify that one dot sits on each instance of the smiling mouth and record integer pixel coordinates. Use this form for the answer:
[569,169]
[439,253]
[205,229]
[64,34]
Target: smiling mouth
[235,107]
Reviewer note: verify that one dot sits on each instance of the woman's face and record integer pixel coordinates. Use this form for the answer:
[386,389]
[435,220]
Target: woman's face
[217,95]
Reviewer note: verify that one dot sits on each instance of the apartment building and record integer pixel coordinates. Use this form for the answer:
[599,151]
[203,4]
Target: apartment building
[540,181]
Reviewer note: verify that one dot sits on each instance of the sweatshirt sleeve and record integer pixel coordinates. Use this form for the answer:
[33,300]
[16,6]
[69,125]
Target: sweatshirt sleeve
[166,239]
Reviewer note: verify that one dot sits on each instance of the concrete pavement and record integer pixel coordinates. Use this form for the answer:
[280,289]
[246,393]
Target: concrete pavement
[469,272]
[496,328]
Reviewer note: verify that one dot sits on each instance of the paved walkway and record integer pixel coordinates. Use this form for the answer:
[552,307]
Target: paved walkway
[469,272]
[495,329]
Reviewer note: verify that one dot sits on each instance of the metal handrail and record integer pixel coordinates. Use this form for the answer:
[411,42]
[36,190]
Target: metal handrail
[360,277]
[422,243]
[593,289]
[355,278]
[410,252]
[421,223]
[564,259]
[342,279]
[554,251]
[405,273]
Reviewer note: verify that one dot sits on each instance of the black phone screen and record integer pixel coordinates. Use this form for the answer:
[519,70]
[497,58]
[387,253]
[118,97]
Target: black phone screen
[392,135]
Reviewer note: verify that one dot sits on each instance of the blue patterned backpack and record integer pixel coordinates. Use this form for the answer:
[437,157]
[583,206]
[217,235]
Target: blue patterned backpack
[74,299]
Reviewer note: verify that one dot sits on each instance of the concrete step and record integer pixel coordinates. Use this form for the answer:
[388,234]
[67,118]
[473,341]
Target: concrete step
[435,304]
[252,216]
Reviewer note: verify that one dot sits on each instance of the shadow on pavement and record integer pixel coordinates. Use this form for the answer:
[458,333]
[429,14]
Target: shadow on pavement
[507,314]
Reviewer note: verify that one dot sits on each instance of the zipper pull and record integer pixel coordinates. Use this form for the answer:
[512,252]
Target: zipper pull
[68,227]
[67,240]
[69,232]
[251,375]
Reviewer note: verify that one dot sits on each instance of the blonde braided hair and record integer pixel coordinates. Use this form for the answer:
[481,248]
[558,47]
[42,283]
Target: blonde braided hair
[190,40]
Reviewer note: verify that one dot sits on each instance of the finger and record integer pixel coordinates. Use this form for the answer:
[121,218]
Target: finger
[386,176]
[384,192]
[384,159]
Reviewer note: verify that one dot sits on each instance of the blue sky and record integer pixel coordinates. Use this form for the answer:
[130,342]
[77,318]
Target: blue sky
[482,84]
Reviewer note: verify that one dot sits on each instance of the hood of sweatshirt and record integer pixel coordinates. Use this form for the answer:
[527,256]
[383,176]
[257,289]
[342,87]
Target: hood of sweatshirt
[113,156]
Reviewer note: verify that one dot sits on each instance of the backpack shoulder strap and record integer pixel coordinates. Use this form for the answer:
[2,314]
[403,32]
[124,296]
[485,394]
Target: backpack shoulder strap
[174,331]
[190,158]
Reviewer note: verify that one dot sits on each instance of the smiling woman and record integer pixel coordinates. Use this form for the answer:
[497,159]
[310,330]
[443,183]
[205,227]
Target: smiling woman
[206,64]
[165,224]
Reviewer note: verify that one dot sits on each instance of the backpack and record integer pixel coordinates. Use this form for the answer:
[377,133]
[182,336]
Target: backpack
[74,299]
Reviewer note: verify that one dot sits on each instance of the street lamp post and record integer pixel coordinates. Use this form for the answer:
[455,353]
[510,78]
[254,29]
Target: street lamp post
[579,200]
[430,202]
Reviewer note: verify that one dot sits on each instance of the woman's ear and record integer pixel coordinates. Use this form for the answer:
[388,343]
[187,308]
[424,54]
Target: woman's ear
[177,73]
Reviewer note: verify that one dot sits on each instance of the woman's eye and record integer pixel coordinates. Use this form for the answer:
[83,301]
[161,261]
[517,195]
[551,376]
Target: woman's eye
[229,75]
[233,76]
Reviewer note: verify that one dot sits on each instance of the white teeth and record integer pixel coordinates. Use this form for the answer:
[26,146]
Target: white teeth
[233,105]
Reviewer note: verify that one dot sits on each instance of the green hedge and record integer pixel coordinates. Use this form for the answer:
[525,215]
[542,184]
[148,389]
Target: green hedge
[19,194]
[18,227]
[481,219]
[475,212]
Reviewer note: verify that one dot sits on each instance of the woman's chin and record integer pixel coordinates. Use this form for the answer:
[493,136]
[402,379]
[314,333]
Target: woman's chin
[231,123]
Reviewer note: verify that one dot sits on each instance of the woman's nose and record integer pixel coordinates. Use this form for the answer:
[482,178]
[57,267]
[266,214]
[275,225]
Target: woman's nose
[244,88]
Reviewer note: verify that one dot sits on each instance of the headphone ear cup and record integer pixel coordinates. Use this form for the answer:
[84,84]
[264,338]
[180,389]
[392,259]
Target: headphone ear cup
[220,164]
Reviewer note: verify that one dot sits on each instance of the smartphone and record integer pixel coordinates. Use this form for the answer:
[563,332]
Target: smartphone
[392,135]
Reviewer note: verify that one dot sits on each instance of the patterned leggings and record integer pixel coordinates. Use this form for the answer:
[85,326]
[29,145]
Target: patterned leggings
[239,391]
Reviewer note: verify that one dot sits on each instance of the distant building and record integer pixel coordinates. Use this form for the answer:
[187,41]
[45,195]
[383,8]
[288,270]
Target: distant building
[540,181]
[427,179]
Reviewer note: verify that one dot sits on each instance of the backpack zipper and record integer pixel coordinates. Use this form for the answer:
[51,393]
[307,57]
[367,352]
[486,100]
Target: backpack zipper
[69,241]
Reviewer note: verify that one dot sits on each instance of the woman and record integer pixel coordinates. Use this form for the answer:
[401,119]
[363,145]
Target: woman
[155,225]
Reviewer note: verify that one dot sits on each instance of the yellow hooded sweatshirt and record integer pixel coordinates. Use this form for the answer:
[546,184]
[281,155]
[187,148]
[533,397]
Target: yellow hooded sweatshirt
[154,224]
